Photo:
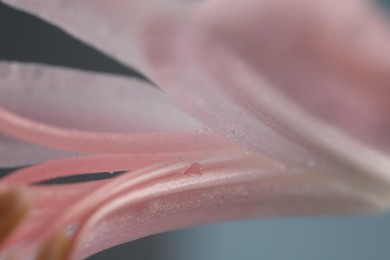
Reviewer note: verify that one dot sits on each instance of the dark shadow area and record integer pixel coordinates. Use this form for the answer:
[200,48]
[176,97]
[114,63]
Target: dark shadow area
[385,4]
[27,38]
[148,248]
[6,171]
[78,178]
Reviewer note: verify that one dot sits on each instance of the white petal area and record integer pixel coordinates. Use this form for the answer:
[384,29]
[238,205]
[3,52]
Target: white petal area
[247,110]
[112,115]
[88,101]
[14,153]
[330,57]
[205,72]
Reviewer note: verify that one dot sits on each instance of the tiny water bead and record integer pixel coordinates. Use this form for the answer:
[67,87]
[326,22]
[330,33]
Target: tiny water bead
[70,229]
[203,130]
[194,169]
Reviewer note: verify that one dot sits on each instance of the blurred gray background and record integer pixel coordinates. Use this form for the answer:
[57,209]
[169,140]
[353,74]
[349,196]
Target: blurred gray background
[25,38]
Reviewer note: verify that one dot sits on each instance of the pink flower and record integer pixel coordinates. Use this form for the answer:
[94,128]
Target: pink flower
[286,107]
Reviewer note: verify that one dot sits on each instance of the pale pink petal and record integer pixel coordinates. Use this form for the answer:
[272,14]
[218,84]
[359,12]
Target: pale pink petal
[14,153]
[199,190]
[175,55]
[176,41]
[332,57]
[78,103]
[85,165]
[88,101]
[223,66]
[82,141]
[216,66]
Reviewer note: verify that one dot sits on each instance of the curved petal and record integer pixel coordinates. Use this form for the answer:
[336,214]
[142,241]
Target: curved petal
[225,69]
[51,200]
[14,153]
[86,164]
[63,106]
[88,101]
[198,190]
[330,57]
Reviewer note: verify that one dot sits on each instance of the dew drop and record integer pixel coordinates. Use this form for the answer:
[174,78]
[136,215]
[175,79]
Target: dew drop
[195,169]
[70,229]
[202,130]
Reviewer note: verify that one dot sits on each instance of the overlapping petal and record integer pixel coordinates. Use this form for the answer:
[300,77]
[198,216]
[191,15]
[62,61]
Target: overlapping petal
[92,113]
[264,74]
[15,153]
[193,190]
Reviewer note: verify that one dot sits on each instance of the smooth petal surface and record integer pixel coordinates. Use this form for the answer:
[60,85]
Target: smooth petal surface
[331,57]
[245,70]
[88,101]
[85,164]
[170,48]
[91,113]
[211,61]
[176,194]
[14,153]
[50,200]
[179,45]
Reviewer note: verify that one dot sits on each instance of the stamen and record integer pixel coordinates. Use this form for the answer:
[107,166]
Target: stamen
[55,247]
[14,206]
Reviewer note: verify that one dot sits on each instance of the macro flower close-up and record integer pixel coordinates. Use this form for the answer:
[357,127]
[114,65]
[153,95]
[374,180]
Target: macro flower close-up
[246,109]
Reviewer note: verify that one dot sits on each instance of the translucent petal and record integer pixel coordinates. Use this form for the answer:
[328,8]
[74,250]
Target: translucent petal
[223,186]
[14,153]
[86,112]
[227,66]
[88,101]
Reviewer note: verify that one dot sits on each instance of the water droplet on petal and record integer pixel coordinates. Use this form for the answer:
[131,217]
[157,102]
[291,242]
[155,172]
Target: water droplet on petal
[202,130]
[70,229]
[195,169]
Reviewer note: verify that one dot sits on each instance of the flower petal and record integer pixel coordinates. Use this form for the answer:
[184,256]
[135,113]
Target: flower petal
[85,164]
[204,189]
[14,153]
[192,190]
[92,113]
[330,57]
[88,101]
[205,71]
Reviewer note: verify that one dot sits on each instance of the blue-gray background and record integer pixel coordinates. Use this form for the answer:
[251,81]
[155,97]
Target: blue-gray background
[360,238]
